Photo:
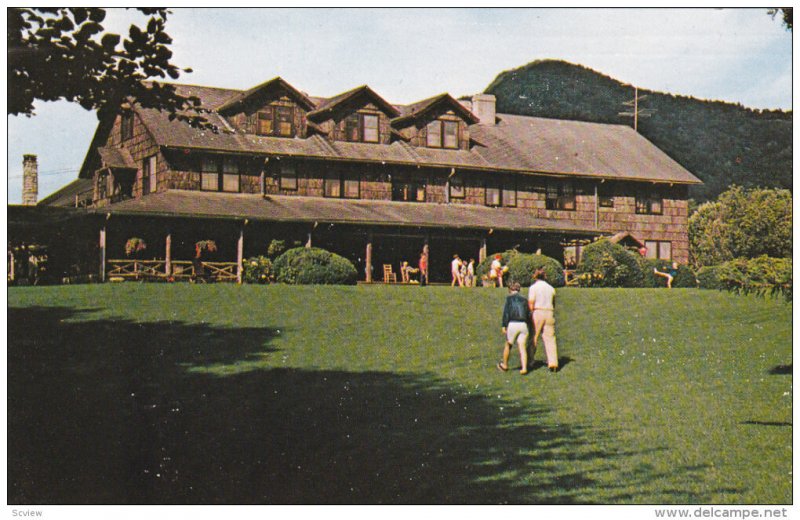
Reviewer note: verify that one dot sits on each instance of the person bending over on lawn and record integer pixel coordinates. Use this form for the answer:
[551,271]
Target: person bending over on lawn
[516,317]
[669,275]
[542,302]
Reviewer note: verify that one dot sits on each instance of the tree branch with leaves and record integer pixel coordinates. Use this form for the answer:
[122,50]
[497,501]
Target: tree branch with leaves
[66,54]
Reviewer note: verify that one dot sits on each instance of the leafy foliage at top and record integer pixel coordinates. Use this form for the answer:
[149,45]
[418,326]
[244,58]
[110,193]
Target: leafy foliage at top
[66,53]
[721,143]
[742,224]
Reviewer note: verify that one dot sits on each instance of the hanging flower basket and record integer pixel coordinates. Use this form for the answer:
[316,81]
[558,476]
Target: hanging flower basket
[134,245]
[204,246]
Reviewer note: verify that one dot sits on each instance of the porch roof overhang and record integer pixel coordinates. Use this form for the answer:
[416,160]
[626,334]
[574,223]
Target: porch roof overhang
[288,209]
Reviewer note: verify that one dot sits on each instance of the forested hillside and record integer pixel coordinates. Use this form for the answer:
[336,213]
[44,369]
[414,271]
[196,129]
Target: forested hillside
[721,143]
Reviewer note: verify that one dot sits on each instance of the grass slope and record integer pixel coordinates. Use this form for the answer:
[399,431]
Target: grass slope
[137,393]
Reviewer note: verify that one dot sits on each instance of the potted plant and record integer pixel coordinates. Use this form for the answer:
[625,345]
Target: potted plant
[134,246]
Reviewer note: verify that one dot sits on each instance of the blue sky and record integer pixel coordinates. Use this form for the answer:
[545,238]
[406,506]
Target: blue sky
[735,55]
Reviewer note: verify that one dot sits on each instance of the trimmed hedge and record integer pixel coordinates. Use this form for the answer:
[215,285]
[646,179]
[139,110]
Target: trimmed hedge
[761,275]
[606,264]
[257,269]
[312,265]
[522,266]
[708,277]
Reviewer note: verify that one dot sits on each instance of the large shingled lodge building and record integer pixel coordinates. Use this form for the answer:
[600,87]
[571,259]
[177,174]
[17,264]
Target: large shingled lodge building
[372,181]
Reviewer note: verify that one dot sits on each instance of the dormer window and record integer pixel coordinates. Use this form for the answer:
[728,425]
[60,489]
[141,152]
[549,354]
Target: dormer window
[442,134]
[362,128]
[276,121]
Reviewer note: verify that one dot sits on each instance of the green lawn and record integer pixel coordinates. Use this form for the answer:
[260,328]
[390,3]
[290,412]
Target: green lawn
[137,393]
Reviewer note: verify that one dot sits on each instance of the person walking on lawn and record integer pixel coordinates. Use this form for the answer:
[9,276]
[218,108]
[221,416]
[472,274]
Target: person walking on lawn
[542,302]
[516,317]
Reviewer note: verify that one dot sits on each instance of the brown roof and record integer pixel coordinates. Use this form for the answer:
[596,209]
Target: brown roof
[516,143]
[278,82]
[115,157]
[180,203]
[65,197]
[416,110]
[331,104]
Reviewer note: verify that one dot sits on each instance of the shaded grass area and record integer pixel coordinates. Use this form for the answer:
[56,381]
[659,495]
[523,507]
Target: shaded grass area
[139,393]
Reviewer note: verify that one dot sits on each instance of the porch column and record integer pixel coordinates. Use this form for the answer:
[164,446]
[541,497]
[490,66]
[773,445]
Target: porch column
[308,242]
[168,256]
[596,209]
[482,251]
[239,255]
[368,259]
[103,254]
[11,273]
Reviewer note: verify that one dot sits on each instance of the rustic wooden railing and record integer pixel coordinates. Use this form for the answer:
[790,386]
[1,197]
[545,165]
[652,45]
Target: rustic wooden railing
[136,269]
[155,270]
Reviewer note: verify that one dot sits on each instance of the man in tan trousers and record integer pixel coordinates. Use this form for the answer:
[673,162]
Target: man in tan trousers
[542,301]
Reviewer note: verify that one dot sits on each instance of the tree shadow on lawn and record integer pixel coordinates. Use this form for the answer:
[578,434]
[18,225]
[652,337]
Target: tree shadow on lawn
[107,411]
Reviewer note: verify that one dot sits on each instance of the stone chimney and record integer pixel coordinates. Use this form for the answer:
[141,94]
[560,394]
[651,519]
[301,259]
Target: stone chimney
[483,106]
[30,180]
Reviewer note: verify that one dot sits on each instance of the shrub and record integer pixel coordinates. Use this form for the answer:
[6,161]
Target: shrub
[761,275]
[257,269]
[708,277]
[522,266]
[312,265]
[605,264]
[684,278]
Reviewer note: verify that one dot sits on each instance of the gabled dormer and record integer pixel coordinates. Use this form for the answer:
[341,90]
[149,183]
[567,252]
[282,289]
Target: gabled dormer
[437,122]
[271,109]
[359,115]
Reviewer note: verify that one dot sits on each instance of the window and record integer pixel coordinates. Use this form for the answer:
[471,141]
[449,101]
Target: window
[288,176]
[492,194]
[450,134]
[342,185]
[408,190]
[126,127]
[362,128]
[457,188]
[351,186]
[265,122]
[442,134]
[605,196]
[649,204]
[370,125]
[658,249]
[149,178]
[333,185]
[275,121]
[509,195]
[216,173]
[560,196]
[285,121]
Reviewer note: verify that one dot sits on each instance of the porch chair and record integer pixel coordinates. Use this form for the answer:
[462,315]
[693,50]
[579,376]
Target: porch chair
[388,275]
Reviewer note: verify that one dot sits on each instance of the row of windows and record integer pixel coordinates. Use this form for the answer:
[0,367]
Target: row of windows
[223,175]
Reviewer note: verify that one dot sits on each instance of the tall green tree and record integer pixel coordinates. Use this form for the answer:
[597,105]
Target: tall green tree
[742,224]
[66,53]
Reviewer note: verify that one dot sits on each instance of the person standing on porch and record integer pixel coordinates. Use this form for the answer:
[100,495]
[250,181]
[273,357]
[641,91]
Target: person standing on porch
[542,303]
[455,270]
[423,269]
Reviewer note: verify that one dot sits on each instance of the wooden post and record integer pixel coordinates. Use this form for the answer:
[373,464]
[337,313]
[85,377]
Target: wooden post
[168,256]
[368,259]
[11,273]
[482,251]
[239,256]
[103,254]
[596,208]
[308,243]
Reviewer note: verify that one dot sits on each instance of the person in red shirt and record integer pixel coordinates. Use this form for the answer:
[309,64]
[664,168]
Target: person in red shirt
[423,269]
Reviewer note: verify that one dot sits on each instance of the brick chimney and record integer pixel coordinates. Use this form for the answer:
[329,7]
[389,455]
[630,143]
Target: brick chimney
[483,106]
[30,180]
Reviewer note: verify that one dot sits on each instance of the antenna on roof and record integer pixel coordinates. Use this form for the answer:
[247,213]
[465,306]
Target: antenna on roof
[637,112]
